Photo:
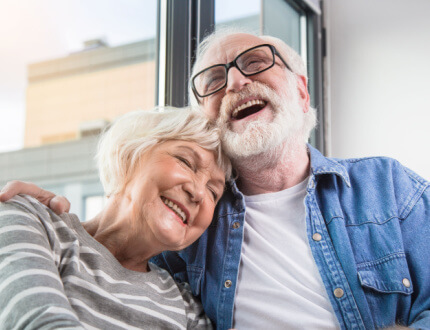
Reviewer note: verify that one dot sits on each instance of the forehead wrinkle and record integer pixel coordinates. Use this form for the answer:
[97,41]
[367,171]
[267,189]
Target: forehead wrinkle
[227,48]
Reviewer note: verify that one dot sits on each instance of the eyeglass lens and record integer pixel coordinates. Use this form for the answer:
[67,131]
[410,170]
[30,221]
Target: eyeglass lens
[249,62]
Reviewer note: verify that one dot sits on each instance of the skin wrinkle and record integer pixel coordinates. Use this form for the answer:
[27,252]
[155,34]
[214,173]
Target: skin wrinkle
[136,224]
[278,158]
[261,152]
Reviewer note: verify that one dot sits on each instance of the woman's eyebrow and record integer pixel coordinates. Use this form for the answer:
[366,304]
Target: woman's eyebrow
[194,152]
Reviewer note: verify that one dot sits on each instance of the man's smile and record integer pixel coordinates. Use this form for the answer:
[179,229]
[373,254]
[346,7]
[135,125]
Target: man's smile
[248,108]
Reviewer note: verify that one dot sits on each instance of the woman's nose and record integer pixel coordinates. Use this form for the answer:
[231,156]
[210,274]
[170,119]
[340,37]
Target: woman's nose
[236,80]
[195,191]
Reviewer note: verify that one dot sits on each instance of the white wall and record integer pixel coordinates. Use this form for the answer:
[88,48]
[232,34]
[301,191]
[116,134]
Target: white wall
[378,79]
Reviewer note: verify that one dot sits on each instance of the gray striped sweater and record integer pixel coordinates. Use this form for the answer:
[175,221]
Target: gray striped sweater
[54,275]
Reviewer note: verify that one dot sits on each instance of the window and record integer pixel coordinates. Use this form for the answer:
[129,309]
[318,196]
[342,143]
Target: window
[68,68]
[66,65]
[93,205]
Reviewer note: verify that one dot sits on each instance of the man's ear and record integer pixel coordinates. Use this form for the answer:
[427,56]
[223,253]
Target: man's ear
[302,86]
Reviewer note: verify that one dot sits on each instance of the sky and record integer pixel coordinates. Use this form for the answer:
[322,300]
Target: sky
[38,30]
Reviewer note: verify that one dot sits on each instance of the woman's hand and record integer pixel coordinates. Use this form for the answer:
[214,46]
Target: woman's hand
[59,204]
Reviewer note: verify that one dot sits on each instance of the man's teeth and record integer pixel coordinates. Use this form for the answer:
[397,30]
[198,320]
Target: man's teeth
[246,105]
[175,208]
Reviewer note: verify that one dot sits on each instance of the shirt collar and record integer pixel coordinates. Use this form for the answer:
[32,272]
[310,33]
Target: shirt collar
[323,165]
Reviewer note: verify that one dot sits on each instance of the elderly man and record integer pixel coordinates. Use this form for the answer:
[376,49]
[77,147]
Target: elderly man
[299,241]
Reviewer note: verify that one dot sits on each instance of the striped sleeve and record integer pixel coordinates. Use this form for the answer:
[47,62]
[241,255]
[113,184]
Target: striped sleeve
[196,317]
[31,290]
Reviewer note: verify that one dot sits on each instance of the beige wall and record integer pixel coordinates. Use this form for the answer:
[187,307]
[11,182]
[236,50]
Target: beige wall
[56,107]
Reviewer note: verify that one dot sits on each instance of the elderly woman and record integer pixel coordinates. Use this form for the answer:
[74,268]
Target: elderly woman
[163,173]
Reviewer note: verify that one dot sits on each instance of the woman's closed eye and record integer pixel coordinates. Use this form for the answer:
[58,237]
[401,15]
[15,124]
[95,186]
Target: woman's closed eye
[185,161]
[214,194]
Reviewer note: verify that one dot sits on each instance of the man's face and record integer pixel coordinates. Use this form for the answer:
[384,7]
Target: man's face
[256,113]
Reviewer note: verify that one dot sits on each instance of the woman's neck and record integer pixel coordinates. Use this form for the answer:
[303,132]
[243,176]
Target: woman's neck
[116,234]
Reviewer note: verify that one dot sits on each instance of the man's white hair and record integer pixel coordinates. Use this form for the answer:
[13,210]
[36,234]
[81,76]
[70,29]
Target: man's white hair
[123,144]
[293,59]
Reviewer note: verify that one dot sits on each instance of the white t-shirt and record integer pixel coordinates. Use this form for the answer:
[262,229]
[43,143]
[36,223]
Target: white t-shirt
[279,285]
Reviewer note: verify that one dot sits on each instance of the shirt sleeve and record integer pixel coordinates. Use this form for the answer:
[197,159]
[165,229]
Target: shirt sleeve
[416,233]
[31,291]
[196,317]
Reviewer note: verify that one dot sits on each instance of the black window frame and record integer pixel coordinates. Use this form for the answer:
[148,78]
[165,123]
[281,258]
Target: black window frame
[188,21]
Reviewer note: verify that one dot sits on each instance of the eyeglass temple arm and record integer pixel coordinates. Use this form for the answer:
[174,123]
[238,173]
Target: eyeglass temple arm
[283,61]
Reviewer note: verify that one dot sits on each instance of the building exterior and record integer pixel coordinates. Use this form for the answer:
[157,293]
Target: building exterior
[66,168]
[69,100]
[66,97]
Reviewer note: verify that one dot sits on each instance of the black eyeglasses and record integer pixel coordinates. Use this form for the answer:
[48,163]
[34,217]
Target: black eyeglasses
[252,61]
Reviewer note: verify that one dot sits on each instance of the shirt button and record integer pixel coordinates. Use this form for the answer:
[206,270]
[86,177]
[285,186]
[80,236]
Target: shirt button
[406,283]
[227,283]
[338,293]
[236,225]
[317,237]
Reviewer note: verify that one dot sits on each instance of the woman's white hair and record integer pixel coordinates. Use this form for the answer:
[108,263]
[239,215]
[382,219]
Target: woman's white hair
[123,143]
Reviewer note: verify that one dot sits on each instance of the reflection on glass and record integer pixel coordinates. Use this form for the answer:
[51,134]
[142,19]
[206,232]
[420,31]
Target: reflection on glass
[66,65]
[242,14]
[93,205]
[68,68]
[282,21]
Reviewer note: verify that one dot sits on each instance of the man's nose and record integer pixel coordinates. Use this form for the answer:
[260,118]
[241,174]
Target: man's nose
[236,80]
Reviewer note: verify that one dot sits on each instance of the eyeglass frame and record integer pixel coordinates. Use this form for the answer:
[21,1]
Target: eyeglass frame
[233,63]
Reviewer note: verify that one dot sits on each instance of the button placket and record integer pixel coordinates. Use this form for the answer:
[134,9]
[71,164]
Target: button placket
[324,254]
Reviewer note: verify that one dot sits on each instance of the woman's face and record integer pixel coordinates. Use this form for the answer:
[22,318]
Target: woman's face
[173,193]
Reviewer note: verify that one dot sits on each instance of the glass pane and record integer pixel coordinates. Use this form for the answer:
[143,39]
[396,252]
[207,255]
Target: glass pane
[271,17]
[244,14]
[282,21]
[93,205]
[68,67]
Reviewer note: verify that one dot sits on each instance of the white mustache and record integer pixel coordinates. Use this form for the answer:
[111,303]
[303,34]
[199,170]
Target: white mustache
[230,101]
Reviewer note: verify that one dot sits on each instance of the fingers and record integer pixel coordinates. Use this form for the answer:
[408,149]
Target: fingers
[59,204]
[15,187]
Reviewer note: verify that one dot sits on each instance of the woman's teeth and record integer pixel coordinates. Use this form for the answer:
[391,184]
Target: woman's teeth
[175,208]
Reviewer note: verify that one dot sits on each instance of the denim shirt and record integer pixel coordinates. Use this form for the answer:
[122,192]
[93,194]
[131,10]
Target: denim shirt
[373,248]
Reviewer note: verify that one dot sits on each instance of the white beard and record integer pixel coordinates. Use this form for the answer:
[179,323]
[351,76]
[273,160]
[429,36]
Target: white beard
[260,136]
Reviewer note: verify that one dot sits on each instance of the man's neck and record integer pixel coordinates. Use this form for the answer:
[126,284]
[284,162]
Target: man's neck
[273,171]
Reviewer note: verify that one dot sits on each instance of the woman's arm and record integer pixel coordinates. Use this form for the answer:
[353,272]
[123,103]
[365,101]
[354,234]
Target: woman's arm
[31,290]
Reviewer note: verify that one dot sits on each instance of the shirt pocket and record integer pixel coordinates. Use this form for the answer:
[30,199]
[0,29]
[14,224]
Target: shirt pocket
[389,274]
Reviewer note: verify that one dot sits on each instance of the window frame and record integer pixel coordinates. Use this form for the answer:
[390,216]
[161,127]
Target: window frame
[186,24]
[188,21]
